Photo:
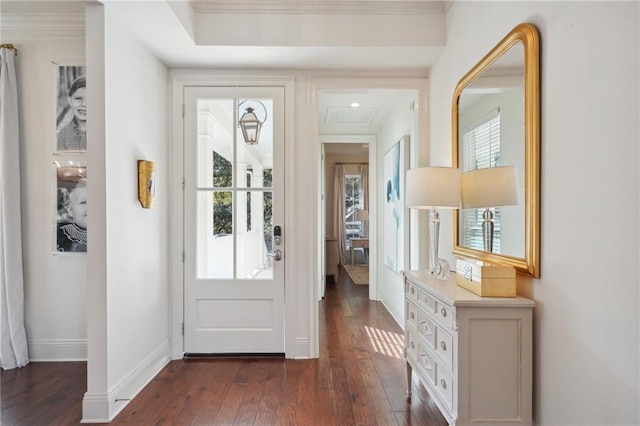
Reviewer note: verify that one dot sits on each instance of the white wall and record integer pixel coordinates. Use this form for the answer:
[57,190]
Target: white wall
[55,286]
[130,288]
[137,251]
[400,122]
[586,318]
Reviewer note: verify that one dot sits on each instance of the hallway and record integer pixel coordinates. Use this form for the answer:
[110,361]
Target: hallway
[359,379]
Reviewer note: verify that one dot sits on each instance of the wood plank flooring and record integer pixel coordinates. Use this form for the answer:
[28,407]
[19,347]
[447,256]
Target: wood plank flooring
[359,379]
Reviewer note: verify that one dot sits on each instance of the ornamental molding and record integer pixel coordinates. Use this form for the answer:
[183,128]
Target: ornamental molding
[27,27]
[324,7]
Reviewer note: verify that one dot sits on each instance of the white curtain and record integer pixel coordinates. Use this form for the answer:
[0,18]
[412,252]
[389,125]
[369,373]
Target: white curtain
[13,337]
[364,182]
[338,216]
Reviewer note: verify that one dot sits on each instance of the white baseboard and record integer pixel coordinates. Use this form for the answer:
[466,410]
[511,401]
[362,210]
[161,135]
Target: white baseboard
[301,349]
[103,407]
[57,350]
[396,315]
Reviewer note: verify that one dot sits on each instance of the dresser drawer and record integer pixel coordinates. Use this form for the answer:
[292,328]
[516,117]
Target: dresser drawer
[426,302]
[444,314]
[427,329]
[444,385]
[444,348]
[411,315]
[412,291]
[411,343]
[426,364]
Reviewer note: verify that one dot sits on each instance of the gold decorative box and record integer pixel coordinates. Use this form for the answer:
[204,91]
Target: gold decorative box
[485,279]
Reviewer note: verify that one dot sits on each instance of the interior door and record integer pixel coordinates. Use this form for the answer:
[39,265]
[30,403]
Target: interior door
[234,222]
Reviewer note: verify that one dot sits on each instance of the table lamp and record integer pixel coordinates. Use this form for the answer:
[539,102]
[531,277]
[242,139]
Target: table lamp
[487,188]
[433,188]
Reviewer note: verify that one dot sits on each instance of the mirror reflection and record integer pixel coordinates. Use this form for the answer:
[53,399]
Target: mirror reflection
[491,133]
[496,139]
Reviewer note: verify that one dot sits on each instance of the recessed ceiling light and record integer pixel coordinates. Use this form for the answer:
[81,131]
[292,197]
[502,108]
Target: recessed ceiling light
[355,104]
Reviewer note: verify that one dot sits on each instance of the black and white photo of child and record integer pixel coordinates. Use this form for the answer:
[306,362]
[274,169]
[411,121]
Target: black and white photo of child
[71,209]
[71,114]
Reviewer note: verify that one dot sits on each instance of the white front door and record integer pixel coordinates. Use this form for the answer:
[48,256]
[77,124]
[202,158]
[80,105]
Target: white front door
[234,211]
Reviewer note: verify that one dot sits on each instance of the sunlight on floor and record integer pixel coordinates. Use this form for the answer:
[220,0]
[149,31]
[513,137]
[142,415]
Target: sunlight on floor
[385,342]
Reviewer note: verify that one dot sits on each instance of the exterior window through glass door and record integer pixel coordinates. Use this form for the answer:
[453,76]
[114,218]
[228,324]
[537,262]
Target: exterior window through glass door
[353,198]
[235,195]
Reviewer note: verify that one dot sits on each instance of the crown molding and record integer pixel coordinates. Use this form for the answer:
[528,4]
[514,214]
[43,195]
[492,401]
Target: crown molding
[26,27]
[325,7]
[448,4]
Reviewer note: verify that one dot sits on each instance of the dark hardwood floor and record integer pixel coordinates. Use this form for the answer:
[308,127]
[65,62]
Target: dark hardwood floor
[359,379]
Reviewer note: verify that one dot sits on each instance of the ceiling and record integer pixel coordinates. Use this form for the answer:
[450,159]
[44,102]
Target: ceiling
[407,35]
[345,36]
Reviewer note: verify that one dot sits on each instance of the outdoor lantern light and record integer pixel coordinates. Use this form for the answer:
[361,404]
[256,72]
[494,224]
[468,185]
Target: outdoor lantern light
[250,124]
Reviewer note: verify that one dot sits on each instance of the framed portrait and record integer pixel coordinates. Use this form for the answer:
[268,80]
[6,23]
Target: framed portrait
[395,215]
[71,109]
[71,207]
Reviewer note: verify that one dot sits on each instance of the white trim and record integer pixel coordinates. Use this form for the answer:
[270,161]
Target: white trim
[104,407]
[301,348]
[416,155]
[53,350]
[340,138]
[179,80]
[95,408]
[329,7]
[32,27]
[397,316]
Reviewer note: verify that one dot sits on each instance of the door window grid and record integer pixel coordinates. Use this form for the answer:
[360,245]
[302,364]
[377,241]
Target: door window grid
[224,196]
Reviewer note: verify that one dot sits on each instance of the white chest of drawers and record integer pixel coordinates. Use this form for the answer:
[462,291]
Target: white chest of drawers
[472,354]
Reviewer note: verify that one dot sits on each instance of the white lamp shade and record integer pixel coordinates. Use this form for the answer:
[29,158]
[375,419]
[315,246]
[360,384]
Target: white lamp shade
[362,215]
[433,188]
[490,187]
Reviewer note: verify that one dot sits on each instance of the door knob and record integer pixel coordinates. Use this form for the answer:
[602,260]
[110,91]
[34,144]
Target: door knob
[277,254]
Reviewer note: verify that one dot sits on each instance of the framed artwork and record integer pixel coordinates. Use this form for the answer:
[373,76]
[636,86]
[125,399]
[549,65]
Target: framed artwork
[395,218]
[71,207]
[71,109]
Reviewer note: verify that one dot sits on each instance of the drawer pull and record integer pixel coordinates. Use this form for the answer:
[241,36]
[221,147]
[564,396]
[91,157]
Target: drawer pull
[413,290]
[411,315]
[422,322]
[443,345]
[443,384]
[427,364]
[413,345]
[443,312]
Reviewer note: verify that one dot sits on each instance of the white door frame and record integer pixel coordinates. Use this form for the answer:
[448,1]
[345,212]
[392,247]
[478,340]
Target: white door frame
[417,156]
[179,80]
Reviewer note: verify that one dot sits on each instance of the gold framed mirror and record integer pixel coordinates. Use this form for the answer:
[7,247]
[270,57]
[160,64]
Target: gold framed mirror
[496,123]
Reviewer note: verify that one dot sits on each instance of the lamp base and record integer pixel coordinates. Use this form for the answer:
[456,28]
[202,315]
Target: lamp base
[487,230]
[434,237]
